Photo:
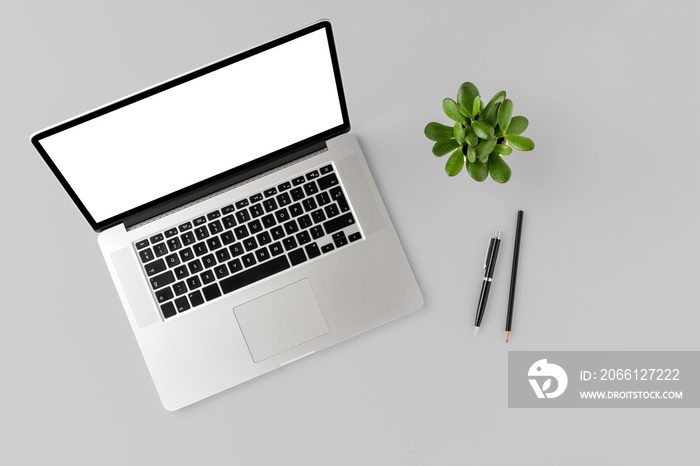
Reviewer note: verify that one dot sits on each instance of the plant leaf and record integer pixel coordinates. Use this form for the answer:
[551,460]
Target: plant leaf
[470,137]
[455,163]
[465,97]
[463,111]
[438,132]
[476,105]
[484,148]
[483,130]
[441,148]
[499,170]
[520,142]
[490,115]
[498,98]
[478,171]
[459,133]
[517,125]
[503,149]
[452,110]
[471,154]
[471,87]
[505,113]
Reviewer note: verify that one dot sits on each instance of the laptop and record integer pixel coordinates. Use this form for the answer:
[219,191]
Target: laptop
[236,215]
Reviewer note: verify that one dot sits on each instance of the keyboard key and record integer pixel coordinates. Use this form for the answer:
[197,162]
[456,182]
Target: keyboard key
[338,196]
[249,244]
[214,243]
[193,283]
[227,237]
[164,279]
[168,310]
[323,198]
[174,244]
[181,304]
[241,232]
[282,215]
[142,244]
[221,271]
[207,276]
[327,248]
[298,180]
[291,227]
[309,204]
[242,216]
[181,272]
[318,216]
[235,266]
[255,227]
[304,222]
[213,215]
[327,169]
[289,243]
[254,274]
[331,210]
[264,238]
[262,254]
[157,238]
[222,255]
[284,199]
[195,298]
[211,292]
[316,232]
[188,238]
[297,194]
[297,256]
[256,210]
[227,210]
[186,254]
[269,205]
[303,237]
[276,249]
[228,222]
[256,198]
[242,203]
[195,266]
[215,227]
[200,249]
[164,295]
[311,188]
[199,221]
[268,221]
[338,223]
[270,192]
[284,186]
[146,255]
[180,288]
[171,232]
[185,227]
[155,267]
[160,249]
[277,233]
[248,260]
[236,249]
[295,210]
[208,261]
[312,250]
[312,175]
[201,233]
[327,181]
[340,242]
[354,237]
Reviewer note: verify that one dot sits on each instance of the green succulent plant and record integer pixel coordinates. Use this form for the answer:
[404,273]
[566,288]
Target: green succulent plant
[481,135]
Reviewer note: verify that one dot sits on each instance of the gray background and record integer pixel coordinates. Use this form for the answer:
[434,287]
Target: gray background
[608,261]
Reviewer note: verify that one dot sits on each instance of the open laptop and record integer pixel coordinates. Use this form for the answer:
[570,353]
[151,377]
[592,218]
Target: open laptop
[236,214]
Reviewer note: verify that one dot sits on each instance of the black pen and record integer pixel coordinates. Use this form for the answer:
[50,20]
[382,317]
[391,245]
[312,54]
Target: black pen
[489,267]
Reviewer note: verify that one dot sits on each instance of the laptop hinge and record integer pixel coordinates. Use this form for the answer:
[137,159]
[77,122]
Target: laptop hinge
[215,188]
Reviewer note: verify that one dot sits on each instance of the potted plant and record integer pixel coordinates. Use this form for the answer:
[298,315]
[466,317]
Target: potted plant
[481,135]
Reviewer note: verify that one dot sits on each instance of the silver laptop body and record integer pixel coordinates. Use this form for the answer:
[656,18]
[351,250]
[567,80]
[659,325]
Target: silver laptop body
[237,215]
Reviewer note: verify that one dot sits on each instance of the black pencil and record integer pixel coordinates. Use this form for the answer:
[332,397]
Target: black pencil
[514,274]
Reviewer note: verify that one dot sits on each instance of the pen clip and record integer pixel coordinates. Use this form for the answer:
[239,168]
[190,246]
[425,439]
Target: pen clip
[488,252]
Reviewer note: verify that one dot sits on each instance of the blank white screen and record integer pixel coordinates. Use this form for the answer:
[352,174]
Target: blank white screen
[201,128]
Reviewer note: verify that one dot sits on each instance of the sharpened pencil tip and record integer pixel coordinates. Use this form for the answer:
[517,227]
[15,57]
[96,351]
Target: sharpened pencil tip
[476,330]
[507,337]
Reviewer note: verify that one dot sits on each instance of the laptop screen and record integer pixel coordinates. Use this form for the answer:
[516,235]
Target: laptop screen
[194,128]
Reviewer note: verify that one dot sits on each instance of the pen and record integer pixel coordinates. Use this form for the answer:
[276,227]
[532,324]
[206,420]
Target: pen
[489,267]
[514,273]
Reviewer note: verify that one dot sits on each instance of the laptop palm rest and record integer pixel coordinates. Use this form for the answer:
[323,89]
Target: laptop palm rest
[281,320]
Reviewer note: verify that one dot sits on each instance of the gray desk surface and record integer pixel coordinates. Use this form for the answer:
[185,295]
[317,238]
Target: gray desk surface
[609,256]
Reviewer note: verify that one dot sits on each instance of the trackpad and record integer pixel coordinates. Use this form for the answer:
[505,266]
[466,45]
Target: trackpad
[281,320]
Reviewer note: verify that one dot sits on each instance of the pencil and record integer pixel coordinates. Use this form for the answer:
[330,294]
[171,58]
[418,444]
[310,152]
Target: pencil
[514,274]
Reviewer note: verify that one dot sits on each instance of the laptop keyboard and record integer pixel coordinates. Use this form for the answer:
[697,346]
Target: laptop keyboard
[254,238]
